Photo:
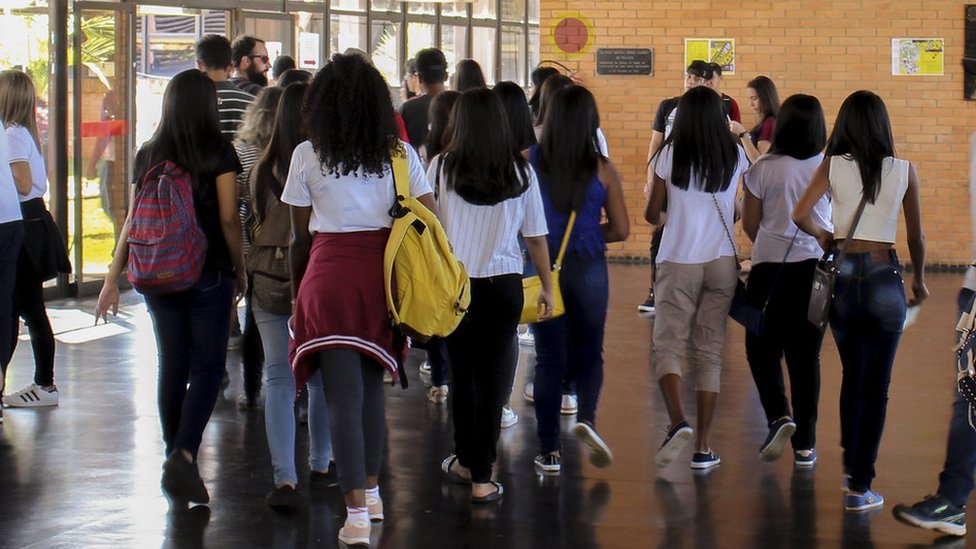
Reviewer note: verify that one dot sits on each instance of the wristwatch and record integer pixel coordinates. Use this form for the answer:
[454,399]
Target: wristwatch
[743,134]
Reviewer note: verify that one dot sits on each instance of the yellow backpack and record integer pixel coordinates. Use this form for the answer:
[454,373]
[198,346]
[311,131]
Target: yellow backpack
[432,290]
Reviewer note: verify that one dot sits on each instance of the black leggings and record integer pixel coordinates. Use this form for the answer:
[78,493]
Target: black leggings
[29,304]
[354,390]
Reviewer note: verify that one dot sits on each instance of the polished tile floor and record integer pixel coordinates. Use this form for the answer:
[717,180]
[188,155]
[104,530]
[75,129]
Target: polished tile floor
[86,474]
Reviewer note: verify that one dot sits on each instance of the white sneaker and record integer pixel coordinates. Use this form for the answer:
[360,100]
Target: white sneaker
[425,367]
[355,532]
[509,417]
[525,336]
[528,392]
[32,396]
[438,395]
[568,407]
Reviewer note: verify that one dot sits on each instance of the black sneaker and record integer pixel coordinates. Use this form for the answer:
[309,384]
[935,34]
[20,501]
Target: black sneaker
[934,513]
[328,479]
[647,307]
[678,437]
[779,433]
[284,498]
[548,463]
[181,479]
[702,461]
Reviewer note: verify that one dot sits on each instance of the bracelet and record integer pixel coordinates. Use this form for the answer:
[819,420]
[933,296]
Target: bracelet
[743,134]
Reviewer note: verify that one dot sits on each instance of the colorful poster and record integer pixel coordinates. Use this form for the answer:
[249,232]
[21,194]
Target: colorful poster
[917,56]
[713,50]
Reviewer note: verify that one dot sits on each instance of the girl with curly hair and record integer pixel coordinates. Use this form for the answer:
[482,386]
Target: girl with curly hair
[340,188]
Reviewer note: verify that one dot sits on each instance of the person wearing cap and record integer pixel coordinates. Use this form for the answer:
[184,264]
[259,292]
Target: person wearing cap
[698,73]
[731,107]
[432,73]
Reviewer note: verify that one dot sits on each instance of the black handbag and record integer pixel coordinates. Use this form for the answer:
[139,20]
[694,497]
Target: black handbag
[825,274]
[966,357]
[751,317]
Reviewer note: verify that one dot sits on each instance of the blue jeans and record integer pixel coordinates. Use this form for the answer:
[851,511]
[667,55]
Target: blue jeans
[956,479]
[191,337]
[279,406]
[866,318]
[572,342]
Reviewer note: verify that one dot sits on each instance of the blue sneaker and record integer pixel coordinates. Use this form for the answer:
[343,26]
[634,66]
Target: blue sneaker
[677,439]
[779,432]
[805,458]
[863,502]
[705,460]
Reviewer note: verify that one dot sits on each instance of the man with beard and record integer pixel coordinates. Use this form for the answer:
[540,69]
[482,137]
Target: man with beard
[251,64]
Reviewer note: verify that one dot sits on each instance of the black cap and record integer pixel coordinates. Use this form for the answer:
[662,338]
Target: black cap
[716,68]
[431,66]
[700,68]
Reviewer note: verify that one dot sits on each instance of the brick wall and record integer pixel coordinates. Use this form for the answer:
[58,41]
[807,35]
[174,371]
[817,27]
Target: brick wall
[823,48]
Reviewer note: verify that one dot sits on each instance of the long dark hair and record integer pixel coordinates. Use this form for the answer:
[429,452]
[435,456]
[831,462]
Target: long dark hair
[480,163]
[539,76]
[862,132]
[468,75]
[188,133]
[439,115]
[702,146]
[350,119]
[271,170]
[800,128]
[767,94]
[549,88]
[569,149]
[519,118]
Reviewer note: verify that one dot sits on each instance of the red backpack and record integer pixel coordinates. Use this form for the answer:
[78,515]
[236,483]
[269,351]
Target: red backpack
[167,247]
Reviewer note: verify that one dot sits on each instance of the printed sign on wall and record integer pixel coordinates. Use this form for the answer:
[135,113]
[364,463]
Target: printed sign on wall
[713,50]
[917,56]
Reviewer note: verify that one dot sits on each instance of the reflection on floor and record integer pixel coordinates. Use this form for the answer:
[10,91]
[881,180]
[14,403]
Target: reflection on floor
[86,474]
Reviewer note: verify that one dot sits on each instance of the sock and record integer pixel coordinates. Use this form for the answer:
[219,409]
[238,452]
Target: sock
[357,515]
[374,491]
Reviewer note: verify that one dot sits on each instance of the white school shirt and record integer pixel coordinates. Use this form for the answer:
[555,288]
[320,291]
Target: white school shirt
[694,231]
[9,202]
[485,238]
[24,149]
[779,181]
[346,203]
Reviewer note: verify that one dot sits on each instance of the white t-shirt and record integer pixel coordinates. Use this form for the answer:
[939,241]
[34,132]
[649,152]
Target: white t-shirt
[346,203]
[485,238]
[23,149]
[779,181]
[9,202]
[694,231]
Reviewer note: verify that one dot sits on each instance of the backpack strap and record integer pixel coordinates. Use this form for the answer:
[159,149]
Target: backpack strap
[401,176]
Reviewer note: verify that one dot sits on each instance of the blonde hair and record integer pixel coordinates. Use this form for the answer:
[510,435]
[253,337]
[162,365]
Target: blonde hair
[258,122]
[18,102]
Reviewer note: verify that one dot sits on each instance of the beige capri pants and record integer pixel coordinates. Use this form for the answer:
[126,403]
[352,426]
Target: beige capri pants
[692,302]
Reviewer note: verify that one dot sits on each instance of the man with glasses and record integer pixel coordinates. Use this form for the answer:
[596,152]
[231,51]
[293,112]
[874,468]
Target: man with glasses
[251,64]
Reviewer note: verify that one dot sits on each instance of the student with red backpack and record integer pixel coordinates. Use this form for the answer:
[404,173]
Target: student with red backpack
[185,187]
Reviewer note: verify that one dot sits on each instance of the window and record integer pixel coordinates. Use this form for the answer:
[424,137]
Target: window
[453,43]
[346,31]
[385,49]
[419,36]
[513,10]
[353,5]
[483,50]
[513,55]
[422,8]
[454,9]
[484,9]
[386,5]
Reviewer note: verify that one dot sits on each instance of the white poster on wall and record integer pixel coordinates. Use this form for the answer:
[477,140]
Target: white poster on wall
[309,54]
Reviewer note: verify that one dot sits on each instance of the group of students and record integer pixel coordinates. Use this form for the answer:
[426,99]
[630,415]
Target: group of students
[508,178]
[804,196]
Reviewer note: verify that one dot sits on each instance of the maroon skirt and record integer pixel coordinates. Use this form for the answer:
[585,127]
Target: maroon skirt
[342,303]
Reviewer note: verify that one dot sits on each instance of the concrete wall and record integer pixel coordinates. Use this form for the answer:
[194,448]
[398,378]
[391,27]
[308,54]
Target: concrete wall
[824,48]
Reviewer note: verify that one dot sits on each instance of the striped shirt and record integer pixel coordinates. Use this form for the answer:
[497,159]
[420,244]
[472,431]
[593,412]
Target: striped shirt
[485,238]
[231,104]
[248,154]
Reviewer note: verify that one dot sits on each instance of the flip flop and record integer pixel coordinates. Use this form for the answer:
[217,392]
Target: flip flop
[492,497]
[454,477]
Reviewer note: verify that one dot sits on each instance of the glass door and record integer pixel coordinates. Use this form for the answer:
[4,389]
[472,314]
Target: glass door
[100,124]
[278,32]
